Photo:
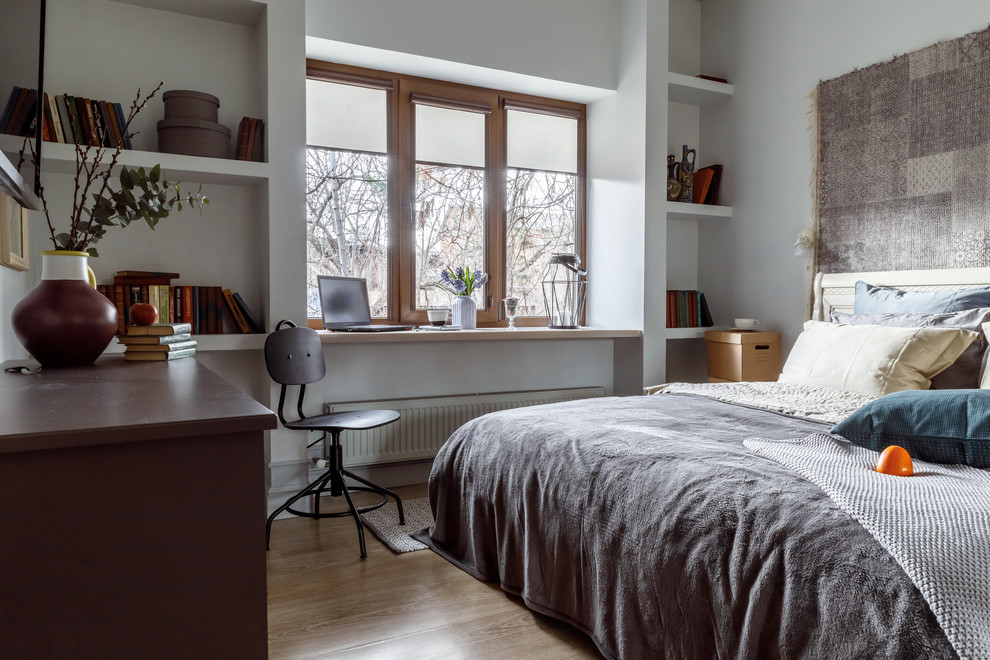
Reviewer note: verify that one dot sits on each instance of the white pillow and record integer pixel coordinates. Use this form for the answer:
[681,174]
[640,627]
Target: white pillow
[872,359]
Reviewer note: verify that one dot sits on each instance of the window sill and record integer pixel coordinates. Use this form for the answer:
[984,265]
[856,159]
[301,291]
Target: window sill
[481,334]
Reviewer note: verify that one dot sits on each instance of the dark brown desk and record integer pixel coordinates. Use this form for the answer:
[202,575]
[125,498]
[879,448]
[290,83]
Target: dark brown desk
[132,511]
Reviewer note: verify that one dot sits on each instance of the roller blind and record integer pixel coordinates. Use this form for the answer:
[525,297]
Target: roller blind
[541,142]
[346,117]
[445,135]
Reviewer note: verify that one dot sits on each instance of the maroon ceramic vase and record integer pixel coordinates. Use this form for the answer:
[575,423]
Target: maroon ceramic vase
[65,321]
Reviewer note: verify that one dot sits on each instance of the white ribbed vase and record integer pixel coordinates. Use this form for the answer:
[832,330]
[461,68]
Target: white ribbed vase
[464,312]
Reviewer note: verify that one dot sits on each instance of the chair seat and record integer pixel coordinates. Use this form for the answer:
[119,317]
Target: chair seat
[354,420]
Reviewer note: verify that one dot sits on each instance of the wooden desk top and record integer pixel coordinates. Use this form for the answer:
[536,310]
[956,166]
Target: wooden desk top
[116,401]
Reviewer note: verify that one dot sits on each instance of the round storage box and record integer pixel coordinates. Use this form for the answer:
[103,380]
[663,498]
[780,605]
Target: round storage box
[193,137]
[186,104]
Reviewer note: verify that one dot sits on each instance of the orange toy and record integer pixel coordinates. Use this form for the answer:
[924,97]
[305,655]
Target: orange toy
[895,461]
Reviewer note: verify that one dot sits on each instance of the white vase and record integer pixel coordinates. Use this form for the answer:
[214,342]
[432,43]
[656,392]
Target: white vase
[464,312]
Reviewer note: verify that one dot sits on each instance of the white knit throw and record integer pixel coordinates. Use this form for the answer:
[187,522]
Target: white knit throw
[936,524]
[822,404]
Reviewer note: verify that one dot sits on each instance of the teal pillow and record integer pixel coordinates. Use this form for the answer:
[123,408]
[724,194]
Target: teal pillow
[870,299]
[939,426]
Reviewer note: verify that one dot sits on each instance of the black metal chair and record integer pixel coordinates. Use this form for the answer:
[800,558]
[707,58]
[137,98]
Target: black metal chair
[294,356]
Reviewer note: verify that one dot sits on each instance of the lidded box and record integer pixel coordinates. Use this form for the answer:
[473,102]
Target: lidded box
[186,104]
[190,125]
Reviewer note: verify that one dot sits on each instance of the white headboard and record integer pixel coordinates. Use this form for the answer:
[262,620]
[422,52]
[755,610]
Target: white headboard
[835,291]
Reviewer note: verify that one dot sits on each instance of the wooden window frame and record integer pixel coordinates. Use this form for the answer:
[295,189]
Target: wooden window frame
[403,94]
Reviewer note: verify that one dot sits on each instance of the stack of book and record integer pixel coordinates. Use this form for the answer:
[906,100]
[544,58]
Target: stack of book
[706,184]
[68,119]
[159,341]
[687,309]
[250,139]
[200,306]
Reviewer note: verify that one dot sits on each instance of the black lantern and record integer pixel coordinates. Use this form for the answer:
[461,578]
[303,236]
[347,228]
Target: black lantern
[564,289]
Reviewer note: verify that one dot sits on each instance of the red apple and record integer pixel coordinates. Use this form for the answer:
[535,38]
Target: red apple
[143,314]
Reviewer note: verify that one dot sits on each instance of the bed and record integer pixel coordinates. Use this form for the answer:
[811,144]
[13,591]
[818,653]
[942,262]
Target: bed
[656,525]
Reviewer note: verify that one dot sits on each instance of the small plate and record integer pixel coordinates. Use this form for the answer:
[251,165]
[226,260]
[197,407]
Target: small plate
[745,329]
[440,328]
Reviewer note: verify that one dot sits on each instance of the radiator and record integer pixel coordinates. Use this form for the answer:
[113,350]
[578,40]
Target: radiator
[426,423]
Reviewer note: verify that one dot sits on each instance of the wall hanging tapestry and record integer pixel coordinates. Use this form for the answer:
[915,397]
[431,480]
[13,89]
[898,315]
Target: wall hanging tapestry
[903,161]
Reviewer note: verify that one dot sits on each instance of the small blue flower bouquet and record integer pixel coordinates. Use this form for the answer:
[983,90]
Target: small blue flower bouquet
[462,282]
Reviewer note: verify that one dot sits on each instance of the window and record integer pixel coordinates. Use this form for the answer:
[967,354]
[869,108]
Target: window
[540,205]
[407,176]
[346,189]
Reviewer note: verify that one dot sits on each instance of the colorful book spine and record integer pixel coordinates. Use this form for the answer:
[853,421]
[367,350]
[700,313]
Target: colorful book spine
[187,304]
[118,302]
[8,110]
[160,329]
[152,299]
[129,339]
[252,318]
[77,124]
[124,129]
[65,119]
[211,310]
[162,347]
[235,312]
[196,302]
[164,298]
[146,355]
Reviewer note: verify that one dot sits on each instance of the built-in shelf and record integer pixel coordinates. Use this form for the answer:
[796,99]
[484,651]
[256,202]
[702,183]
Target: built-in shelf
[225,342]
[696,91]
[242,12]
[685,211]
[481,334]
[59,158]
[690,333]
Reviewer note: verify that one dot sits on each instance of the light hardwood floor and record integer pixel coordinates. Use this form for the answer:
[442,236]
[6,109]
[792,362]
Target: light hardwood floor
[325,601]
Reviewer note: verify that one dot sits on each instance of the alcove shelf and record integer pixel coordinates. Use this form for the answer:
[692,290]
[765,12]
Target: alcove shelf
[696,91]
[686,211]
[59,158]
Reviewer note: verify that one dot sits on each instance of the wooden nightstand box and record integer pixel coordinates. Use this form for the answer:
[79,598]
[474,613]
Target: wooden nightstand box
[742,355]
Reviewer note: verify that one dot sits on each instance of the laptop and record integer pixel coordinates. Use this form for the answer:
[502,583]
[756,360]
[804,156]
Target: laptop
[344,305]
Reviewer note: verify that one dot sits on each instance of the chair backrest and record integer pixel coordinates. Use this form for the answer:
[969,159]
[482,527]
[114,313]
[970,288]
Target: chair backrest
[294,356]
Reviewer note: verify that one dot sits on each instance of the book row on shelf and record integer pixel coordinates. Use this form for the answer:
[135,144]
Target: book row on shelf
[250,139]
[67,119]
[687,309]
[200,307]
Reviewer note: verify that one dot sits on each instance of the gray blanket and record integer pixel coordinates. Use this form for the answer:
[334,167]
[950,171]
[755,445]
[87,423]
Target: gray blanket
[645,522]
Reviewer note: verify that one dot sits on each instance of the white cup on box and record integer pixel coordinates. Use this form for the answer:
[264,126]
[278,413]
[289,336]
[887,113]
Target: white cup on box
[746,324]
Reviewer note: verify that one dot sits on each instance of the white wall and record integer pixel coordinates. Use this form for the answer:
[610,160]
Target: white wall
[572,41]
[775,52]
[617,183]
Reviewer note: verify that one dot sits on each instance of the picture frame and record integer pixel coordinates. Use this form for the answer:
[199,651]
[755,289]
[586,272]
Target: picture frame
[15,232]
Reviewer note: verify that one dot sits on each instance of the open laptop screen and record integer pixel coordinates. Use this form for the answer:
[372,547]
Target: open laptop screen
[343,301]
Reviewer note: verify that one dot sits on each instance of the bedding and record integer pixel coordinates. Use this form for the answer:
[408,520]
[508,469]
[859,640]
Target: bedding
[822,404]
[965,372]
[943,426]
[872,359]
[936,525]
[645,522]
[870,299]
